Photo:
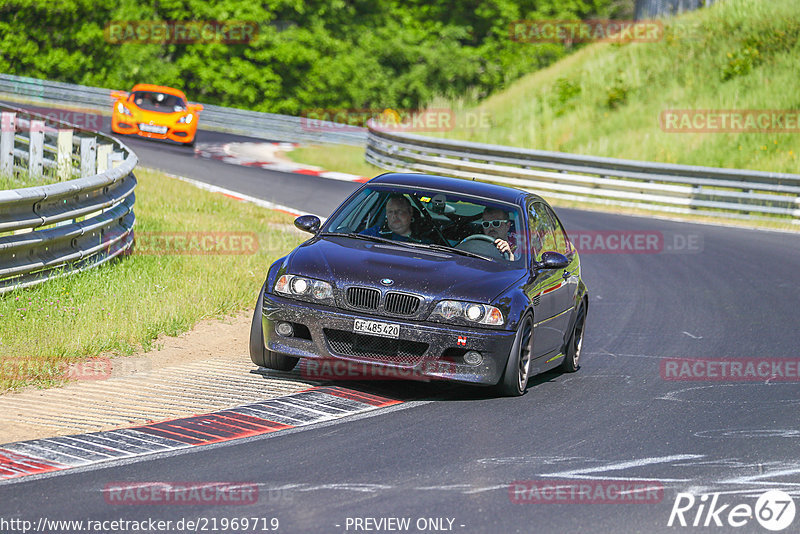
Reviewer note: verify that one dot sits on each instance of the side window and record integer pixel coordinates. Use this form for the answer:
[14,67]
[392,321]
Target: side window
[542,236]
[562,245]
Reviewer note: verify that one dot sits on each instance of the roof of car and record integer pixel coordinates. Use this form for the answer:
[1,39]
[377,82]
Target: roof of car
[469,187]
[158,89]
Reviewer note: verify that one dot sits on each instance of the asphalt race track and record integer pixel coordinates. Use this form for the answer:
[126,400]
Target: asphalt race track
[447,458]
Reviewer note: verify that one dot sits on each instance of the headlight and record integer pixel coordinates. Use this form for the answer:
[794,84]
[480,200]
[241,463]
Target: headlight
[291,285]
[468,311]
[449,309]
[321,290]
[186,119]
[122,109]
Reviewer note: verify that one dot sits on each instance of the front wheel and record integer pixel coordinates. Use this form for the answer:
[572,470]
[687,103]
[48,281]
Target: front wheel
[572,352]
[515,376]
[259,354]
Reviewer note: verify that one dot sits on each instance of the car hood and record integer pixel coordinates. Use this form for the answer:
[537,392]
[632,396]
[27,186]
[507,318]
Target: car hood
[162,117]
[347,261]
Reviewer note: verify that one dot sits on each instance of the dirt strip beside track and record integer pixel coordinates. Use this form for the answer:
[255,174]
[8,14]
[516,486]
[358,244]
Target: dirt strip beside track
[200,371]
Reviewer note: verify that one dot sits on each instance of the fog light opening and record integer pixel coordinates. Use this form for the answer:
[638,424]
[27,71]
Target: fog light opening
[285,329]
[473,357]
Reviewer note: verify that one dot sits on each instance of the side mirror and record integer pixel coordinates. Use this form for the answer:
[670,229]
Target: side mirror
[553,260]
[119,95]
[196,107]
[308,223]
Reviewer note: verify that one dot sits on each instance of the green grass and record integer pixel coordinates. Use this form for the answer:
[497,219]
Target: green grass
[605,100]
[23,179]
[125,305]
[339,158]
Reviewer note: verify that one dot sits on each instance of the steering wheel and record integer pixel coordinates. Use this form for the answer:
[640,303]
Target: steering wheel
[481,240]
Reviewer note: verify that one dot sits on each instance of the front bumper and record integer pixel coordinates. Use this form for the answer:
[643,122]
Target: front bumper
[180,133]
[426,350]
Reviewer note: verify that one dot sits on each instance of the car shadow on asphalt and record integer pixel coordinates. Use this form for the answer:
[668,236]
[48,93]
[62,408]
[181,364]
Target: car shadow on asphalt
[409,390]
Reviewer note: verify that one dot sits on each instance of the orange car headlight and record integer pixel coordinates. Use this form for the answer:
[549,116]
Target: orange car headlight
[186,119]
[122,109]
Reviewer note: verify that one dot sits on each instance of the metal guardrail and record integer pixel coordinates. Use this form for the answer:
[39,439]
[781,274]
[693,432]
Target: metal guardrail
[664,8]
[238,121]
[61,228]
[716,192]
[724,193]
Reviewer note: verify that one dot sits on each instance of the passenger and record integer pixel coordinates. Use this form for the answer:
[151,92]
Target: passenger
[496,224]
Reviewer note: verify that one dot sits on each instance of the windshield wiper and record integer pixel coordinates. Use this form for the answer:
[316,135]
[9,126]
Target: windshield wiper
[366,237]
[452,250]
[432,246]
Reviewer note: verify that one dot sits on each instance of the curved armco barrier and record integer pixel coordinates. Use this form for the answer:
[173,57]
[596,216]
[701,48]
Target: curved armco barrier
[53,230]
[715,192]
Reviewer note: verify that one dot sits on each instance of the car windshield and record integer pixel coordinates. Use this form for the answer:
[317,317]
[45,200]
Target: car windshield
[442,220]
[155,101]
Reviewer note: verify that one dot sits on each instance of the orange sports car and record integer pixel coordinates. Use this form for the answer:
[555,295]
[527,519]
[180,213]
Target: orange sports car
[156,112]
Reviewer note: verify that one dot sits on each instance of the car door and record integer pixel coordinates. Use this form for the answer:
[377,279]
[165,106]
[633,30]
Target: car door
[542,301]
[565,293]
[544,289]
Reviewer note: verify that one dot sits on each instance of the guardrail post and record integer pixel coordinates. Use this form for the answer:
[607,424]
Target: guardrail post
[88,156]
[115,159]
[64,157]
[103,160]
[9,127]
[36,148]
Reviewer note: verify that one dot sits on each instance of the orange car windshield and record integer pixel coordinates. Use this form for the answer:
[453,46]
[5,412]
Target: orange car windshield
[161,102]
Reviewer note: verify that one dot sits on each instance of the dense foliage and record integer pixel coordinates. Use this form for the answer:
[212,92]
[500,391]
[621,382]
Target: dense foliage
[306,54]
[612,99]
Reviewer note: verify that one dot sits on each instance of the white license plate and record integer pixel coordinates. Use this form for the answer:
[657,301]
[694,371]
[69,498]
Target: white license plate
[153,128]
[377,328]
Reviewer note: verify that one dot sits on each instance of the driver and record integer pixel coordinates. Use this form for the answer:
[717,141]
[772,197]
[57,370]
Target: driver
[496,223]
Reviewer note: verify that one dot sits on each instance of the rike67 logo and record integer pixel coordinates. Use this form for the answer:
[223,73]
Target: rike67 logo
[774,510]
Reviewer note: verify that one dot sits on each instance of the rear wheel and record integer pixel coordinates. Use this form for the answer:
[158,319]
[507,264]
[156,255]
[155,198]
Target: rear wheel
[515,376]
[572,351]
[259,354]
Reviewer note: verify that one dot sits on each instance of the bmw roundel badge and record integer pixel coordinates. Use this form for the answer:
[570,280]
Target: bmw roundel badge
[387,281]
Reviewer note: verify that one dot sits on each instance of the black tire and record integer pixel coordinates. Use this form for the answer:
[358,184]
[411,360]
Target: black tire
[572,350]
[258,352]
[515,376]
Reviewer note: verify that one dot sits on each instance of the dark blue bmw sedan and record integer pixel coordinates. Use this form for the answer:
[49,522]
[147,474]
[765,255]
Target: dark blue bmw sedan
[431,278]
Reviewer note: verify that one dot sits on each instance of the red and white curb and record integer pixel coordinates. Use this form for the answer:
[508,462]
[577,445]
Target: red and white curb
[315,405]
[230,193]
[227,153]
